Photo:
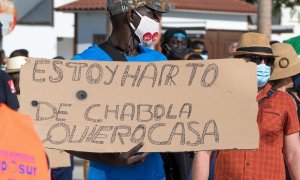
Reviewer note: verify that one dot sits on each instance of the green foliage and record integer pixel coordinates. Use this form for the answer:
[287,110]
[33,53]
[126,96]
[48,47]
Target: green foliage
[279,3]
[287,3]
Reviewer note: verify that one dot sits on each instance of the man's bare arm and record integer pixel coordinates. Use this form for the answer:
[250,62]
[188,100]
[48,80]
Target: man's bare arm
[292,154]
[201,164]
[118,159]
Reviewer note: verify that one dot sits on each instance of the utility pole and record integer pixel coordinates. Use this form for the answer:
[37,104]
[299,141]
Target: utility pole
[108,27]
[264,22]
[1,36]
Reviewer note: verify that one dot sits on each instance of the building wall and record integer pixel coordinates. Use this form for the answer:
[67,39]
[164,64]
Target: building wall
[90,24]
[289,19]
[41,40]
[65,47]
[217,30]
[63,22]
[206,20]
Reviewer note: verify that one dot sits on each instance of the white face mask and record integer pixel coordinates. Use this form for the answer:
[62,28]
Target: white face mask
[147,30]
[204,56]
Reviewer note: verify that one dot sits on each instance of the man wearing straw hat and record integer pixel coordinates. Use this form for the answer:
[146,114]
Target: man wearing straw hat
[277,122]
[286,67]
[135,27]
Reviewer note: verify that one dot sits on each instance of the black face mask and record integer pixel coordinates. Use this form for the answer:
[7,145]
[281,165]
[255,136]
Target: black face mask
[175,53]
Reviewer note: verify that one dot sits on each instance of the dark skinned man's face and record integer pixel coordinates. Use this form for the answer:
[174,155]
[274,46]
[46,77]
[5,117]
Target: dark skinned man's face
[177,42]
[145,11]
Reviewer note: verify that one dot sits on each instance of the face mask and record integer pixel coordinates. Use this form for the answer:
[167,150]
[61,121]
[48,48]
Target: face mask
[205,57]
[147,30]
[263,74]
[3,67]
[176,53]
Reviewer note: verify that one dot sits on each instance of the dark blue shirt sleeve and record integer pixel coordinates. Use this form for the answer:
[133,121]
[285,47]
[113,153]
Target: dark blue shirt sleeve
[8,94]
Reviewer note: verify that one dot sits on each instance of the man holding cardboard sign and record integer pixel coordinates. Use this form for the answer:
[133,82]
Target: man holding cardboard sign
[103,107]
[135,26]
[111,107]
[277,121]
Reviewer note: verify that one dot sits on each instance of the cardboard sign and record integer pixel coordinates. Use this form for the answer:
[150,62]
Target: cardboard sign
[99,106]
[58,158]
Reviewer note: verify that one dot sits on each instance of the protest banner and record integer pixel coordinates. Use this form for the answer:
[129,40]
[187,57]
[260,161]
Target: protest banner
[99,106]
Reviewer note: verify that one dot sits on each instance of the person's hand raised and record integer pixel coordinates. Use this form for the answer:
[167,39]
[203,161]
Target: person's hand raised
[133,157]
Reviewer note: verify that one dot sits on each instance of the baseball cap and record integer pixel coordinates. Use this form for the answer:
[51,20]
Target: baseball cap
[120,6]
[14,64]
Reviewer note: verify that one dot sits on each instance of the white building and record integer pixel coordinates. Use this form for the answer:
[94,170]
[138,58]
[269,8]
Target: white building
[78,24]
[218,22]
[41,30]
[289,18]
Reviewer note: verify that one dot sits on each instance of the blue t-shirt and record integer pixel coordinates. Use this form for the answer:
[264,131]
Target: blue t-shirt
[152,167]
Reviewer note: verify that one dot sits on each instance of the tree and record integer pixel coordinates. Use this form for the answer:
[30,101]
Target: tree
[279,3]
[264,19]
[265,9]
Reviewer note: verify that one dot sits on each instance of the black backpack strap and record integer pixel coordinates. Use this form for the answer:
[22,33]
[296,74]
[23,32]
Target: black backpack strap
[269,94]
[114,54]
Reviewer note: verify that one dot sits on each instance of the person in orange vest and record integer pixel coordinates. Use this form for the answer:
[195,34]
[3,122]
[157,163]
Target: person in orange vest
[22,154]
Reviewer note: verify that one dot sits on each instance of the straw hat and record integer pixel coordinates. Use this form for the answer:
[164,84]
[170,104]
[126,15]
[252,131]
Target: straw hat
[287,63]
[14,64]
[253,43]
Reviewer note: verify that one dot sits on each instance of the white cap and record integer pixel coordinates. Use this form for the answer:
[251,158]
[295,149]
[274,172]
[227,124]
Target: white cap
[14,64]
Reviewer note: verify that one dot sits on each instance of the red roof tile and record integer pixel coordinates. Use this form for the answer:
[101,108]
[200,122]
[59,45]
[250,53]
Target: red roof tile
[202,5]
[215,5]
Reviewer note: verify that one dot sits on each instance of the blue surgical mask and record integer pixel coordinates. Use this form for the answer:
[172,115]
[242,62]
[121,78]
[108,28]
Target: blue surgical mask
[204,56]
[263,74]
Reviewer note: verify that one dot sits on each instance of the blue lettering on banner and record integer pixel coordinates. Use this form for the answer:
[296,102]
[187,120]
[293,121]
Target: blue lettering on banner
[12,167]
[13,163]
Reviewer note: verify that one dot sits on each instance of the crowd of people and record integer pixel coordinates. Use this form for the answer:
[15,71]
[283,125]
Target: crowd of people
[278,82]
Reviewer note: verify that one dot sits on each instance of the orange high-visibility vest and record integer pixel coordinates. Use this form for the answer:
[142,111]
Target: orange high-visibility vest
[22,154]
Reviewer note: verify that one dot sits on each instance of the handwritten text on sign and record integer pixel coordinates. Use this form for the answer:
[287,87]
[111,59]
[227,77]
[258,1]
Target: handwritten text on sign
[170,106]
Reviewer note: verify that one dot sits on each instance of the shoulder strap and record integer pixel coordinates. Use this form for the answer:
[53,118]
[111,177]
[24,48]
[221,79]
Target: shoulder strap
[294,97]
[114,54]
[269,94]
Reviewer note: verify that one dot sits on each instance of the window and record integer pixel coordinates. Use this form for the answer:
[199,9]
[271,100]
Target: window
[35,12]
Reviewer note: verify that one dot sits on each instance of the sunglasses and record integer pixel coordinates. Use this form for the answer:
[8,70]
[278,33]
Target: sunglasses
[268,60]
